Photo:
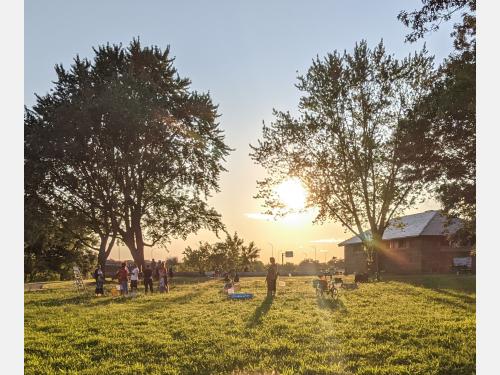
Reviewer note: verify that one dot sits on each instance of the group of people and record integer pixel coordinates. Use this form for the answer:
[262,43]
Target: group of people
[158,271]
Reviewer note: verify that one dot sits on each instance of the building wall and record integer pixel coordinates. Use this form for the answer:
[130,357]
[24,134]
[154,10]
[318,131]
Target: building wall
[418,255]
[438,254]
[355,259]
[406,259]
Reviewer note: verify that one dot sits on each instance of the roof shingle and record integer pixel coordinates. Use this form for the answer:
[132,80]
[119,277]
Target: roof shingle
[428,223]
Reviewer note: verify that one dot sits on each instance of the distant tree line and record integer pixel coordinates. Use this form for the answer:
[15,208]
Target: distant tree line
[229,255]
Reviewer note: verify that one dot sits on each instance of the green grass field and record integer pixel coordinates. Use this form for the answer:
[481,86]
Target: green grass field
[405,325]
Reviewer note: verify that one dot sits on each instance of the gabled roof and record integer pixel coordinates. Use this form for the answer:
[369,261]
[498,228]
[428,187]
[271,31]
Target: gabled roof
[428,223]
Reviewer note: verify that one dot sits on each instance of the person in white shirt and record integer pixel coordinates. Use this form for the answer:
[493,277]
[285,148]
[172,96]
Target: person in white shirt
[134,278]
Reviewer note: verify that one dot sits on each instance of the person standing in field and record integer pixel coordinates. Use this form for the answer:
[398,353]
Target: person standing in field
[162,275]
[272,277]
[134,278]
[148,279]
[153,267]
[122,276]
[99,281]
[156,271]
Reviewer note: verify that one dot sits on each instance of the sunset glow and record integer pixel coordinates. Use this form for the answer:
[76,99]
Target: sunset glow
[292,193]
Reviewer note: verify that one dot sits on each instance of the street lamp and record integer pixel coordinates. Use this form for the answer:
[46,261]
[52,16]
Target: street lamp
[314,247]
[272,249]
[324,251]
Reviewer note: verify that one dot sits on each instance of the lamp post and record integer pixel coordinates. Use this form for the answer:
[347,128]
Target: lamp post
[272,249]
[314,247]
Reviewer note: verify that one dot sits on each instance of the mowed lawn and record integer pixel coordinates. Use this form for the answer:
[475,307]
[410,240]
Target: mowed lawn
[405,325]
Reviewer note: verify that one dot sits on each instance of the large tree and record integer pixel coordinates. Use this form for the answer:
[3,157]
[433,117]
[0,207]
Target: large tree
[131,147]
[448,112]
[350,144]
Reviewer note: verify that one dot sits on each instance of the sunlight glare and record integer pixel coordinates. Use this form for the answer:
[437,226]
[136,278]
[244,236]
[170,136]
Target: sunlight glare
[292,193]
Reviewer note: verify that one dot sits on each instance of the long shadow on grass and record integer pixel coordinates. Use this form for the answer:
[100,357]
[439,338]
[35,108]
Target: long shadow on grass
[461,285]
[448,289]
[452,301]
[58,301]
[260,312]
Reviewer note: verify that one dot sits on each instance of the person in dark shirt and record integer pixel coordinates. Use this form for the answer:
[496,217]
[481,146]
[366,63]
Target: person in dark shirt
[99,281]
[272,277]
[148,279]
[153,266]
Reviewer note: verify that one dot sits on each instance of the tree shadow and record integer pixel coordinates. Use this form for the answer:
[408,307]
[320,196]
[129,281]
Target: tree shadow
[461,285]
[58,301]
[331,304]
[260,312]
[463,297]
[452,290]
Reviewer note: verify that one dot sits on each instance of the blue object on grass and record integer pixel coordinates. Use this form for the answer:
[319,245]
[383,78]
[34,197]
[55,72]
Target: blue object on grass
[240,295]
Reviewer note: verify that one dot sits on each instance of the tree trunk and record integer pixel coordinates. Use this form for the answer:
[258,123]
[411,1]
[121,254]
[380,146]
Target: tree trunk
[104,251]
[136,246]
[378,247]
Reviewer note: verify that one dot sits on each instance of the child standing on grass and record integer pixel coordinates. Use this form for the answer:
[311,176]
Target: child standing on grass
[134,278]
[122,276]
[272,277]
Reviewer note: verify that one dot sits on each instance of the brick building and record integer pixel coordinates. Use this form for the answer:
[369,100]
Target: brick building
[412,244]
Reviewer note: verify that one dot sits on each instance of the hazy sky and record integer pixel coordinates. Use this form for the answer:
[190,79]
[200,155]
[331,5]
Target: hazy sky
[247,54]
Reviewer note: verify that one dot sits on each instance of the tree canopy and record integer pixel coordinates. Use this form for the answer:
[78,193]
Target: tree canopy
[351,144]
[434,12]
[448,112]
[126,143]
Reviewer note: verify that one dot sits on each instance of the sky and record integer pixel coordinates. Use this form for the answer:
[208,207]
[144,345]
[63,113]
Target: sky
[247,54]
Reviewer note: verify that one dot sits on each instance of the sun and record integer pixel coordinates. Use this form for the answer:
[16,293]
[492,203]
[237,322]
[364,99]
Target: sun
[292,193]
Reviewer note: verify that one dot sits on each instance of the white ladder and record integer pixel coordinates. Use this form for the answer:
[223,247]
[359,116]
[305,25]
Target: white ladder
[80,286]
